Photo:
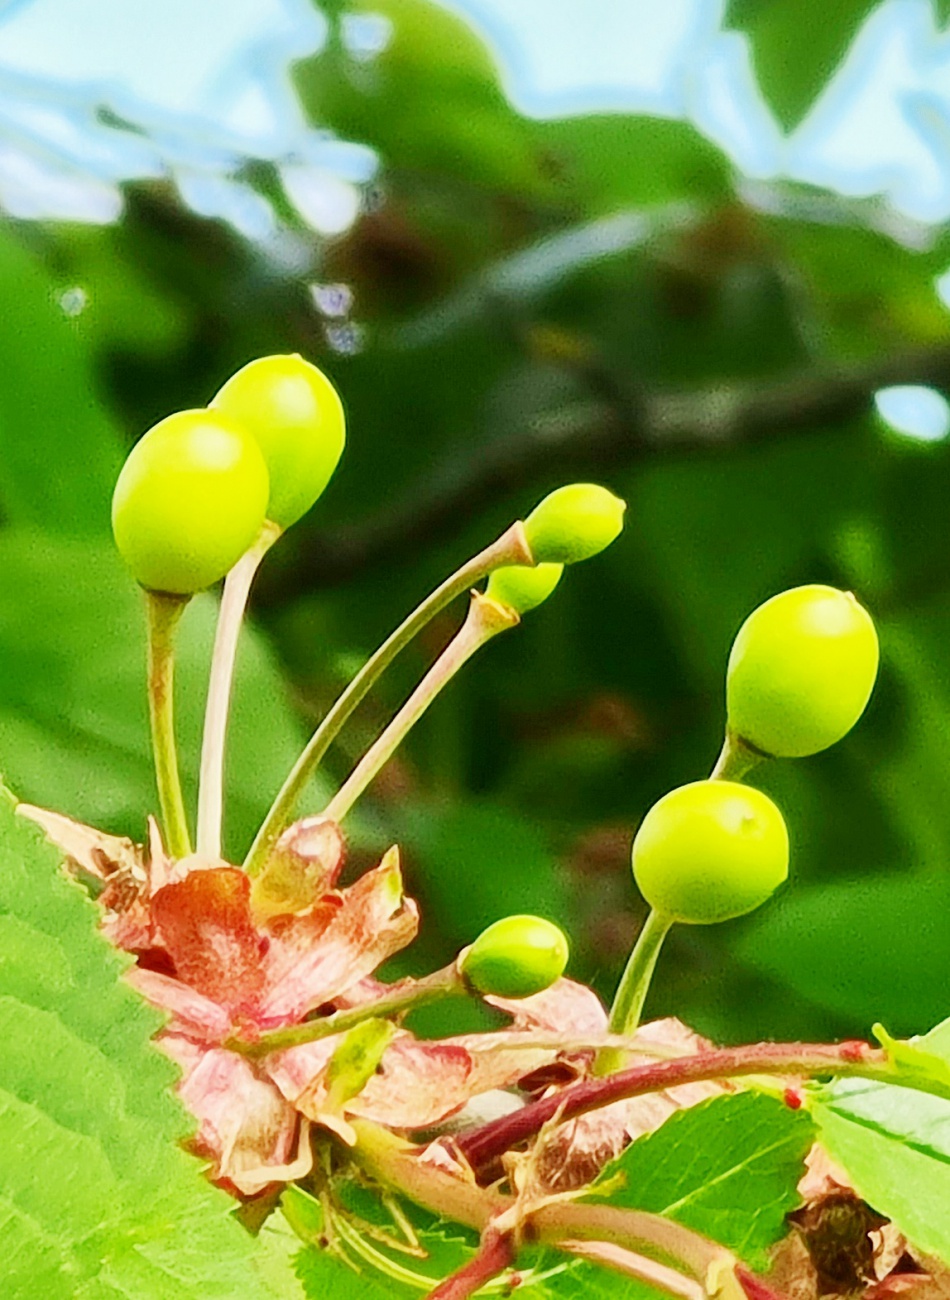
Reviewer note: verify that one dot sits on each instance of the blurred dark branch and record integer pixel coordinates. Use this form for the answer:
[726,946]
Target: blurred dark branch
[590,437]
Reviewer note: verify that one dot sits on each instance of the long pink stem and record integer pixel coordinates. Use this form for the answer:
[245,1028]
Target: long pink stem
[482,1147]
[237,587]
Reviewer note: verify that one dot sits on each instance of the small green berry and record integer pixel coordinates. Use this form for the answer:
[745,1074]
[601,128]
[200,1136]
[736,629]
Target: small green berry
[709,851]
[522,588]
[296,416]
[573,523]
[515,957]
[189,501]
[801,671]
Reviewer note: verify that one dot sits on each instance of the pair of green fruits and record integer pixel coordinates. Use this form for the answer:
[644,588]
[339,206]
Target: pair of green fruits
[800,674]
[195,491]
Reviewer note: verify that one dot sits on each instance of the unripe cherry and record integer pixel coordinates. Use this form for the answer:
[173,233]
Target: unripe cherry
[710,851]
[801,671]
[189,501]
[296,416]
[515,957]
[522,588]
[573,523]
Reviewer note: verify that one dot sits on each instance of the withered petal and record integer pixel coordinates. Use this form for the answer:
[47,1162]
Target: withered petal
[246,1129]
[191,1012]
[566,1008]
[374,920]
[204,922]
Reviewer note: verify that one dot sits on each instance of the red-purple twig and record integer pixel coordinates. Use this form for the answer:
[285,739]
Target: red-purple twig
[482,1147]
[495,1254]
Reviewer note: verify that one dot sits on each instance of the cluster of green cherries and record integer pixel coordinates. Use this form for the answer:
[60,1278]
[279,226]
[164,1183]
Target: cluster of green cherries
[201,488]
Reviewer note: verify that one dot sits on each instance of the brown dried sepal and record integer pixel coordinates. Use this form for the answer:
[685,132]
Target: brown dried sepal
[305,864]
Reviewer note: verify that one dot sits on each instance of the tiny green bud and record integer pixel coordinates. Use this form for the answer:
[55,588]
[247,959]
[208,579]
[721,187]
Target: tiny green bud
[709,851]
[573,523]
[296,416]
[189,501]
[522,588]
[801,671]
[515,957]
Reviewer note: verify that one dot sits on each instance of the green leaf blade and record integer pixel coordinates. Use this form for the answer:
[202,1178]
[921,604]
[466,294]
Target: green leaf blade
[797,47]
[96,1197]
[894,1144]
[727,1168]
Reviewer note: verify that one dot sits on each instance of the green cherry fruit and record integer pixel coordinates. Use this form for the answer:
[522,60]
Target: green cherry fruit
[296,416]
[573,523]
[521,588]
[801,671]
[189,501]
[515,957]
[709,851]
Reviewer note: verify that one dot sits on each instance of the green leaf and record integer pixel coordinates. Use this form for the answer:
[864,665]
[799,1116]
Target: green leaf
[589,1282]
[322,1275]
[894,1144]
[96,1198]
[796,46]
[727,1168]
[73,720]
[942,13]
[59,452]
[609,162]
[915,1063]
[581,165]
[875,947]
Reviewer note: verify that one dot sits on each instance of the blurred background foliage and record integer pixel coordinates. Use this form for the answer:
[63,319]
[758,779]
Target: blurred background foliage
[506,299]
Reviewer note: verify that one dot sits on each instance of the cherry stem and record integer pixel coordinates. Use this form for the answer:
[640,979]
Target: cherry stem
[633,988]
[495,1253]
[485,619]
[511,548]
[237,587]
[164,612]
[400,998]
[736,759]
[482,1147]
[636,1266]
[563,1224]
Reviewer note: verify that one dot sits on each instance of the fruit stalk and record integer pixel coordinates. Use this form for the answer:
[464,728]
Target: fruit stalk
[485,620]
[632,990]
[164,612]
[511,548]
[443,983]
[237,588]
[736,759]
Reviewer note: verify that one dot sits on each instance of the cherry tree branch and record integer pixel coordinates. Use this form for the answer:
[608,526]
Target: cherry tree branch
[484,1146]
[599,434]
